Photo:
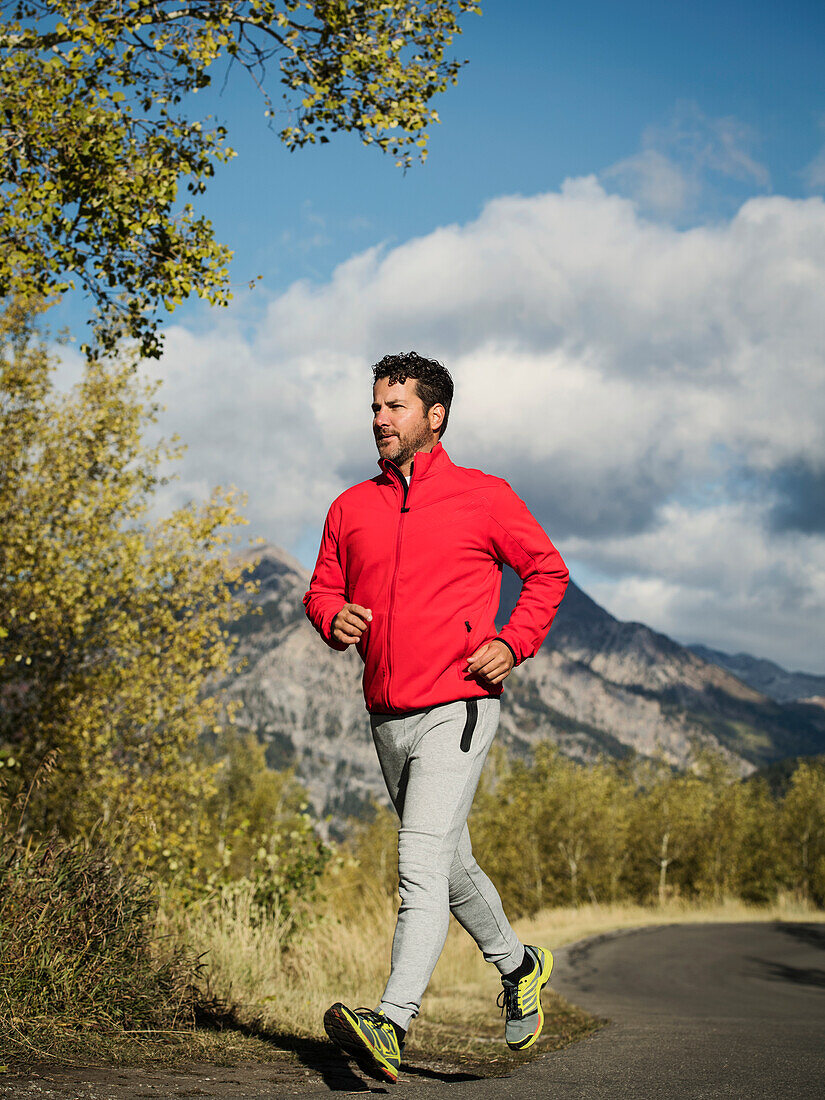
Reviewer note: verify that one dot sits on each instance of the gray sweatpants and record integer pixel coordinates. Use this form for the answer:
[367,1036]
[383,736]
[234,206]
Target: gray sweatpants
[432,761]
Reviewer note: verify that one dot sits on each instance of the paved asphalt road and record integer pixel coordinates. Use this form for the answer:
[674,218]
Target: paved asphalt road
[697,1012]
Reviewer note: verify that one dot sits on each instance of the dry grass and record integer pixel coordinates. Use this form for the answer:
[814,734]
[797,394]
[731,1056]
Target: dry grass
[276,983]
[78,953]
[288,986]
[561,926]
[345,956]
[283,993]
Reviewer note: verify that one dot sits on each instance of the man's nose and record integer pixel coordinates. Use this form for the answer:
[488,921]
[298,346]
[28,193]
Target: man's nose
[381,419]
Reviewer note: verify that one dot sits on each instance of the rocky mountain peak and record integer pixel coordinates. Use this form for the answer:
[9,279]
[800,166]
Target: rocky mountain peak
[598,685]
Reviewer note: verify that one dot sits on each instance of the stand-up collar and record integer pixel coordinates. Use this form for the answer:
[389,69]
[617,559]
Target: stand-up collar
[425,463]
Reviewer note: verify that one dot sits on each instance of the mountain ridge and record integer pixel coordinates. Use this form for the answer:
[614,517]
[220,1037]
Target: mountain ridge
[597,686]
[766,676]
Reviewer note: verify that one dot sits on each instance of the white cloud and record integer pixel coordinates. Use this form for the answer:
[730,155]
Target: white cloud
[684,159]
[719,572]
[638,384]
[655,181]
[814,173]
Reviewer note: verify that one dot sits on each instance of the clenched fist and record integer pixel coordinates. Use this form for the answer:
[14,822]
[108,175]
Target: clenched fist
[493,661]
[350,623]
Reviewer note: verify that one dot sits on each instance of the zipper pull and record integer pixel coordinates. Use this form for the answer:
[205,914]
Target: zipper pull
[407,487]
[467,624]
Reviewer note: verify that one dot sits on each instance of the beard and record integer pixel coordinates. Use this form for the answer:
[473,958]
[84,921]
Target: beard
[402,448]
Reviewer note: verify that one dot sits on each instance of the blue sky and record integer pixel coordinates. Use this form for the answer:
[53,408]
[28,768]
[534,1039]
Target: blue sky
[550,91]
[617,244]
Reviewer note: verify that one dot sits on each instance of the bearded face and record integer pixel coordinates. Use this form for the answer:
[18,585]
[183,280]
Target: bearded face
[400,425]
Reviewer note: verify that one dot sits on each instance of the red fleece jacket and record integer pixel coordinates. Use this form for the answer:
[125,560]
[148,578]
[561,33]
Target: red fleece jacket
[426,559]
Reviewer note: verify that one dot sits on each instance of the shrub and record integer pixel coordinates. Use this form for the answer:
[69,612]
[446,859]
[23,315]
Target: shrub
[77,941]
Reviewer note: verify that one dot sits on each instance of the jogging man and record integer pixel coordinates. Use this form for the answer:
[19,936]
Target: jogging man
[409,572]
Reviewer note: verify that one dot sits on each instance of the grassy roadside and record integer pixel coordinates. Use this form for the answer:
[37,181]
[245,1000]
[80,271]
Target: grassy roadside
[273,999]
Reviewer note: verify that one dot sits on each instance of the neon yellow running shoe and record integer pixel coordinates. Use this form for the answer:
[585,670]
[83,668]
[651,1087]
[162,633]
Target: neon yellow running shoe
[368,1037]
[522,1000]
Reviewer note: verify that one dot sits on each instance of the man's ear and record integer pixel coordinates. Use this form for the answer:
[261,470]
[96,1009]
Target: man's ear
[436,416]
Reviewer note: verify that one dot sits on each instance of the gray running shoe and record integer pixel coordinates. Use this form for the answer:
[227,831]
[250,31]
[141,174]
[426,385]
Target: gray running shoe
[522,1000]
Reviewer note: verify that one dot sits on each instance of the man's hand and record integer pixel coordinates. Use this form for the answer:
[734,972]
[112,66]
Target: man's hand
[493,661]
[350,623]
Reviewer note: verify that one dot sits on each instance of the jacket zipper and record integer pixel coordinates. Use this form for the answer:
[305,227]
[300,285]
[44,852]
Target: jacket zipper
[391,605]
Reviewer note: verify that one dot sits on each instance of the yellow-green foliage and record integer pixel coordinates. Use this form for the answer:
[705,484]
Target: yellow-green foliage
[802,825]
[98,134]
[550,833]
[554,832]
[114,628]
[260,837]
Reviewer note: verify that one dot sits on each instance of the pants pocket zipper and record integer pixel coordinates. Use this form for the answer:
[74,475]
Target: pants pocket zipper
[469,724]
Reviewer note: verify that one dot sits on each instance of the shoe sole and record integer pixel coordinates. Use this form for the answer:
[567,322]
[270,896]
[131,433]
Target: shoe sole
[352,1042]
[544,979]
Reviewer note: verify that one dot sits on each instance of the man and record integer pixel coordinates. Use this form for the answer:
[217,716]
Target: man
[409,572]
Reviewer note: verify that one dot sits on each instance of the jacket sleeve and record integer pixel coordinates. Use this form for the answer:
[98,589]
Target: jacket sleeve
[520,542]
[327,588]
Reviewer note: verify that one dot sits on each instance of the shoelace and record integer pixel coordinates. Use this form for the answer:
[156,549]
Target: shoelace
[374,1017]
[378,1020]
[508,998]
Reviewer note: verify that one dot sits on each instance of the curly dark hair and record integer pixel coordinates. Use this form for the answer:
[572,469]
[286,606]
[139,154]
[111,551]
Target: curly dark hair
[433,382]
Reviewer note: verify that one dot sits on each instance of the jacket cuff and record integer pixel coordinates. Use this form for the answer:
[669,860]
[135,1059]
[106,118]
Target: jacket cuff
[498,638]
[326,632]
